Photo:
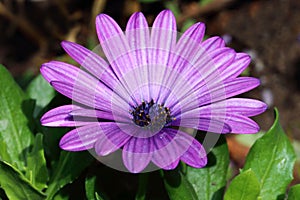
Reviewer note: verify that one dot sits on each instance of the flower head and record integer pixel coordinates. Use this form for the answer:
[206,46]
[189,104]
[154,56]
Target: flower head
[150,92]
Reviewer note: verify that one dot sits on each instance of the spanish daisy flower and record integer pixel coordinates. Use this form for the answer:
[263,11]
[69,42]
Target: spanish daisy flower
[150,90]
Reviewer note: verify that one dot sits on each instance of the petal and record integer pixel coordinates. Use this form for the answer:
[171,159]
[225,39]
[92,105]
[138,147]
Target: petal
[97,114]
[210,65]
[166,153]
[162,43]
[173,165]
[111,140]
[76,80]
[189,48]
[239,64]
[200,123]
[228,89]
[81,138]
[201,79]
[213,43]
[138,36]
[58,117]
[243,125]
[241,106]
[114,44]
[187,52]
[91,61]
[61,116]
[137,153]
[117,51]
[81,95]
[196,155]
[214,119]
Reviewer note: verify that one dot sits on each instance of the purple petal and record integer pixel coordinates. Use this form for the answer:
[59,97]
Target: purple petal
[242,124]
[241,106]
[81,138]
[191,151]
[201,123]
[111,140]
[213,43]
[203,78]
[173,165]
[118,52]
[188,47]
[137,153]
[162,43]
[99,114]
[187,51]
[185,147]
[166,152]
[195,156]
[77,81]
[91,61]
[80,95]
[239,64]
[60,116]
[228,89]
[138,36]
[114,44]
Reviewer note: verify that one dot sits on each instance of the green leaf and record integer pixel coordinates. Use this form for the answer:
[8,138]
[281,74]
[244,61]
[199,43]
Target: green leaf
[173,6]
[187,24]
[98,197]
[294,192]
[148,1]
[69,167]
[143,185]
[37,171]
[272,159]
[245,186]
[177,185]
[204,2]
[40,90]
[15,185]
[209,182]
[15,136]
[90,186]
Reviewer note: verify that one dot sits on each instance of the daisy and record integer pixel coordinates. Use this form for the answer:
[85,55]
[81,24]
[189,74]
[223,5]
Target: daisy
[149,91]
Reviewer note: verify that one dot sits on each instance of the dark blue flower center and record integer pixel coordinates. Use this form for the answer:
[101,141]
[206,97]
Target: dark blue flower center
[151,115]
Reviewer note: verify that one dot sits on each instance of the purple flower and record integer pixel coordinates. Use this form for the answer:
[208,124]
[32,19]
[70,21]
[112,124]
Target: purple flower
[149,94]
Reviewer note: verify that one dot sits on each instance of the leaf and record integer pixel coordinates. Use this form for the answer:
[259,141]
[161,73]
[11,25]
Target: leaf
[148,1]
[15,136]
[69,167]
[177,185]
[90,186]
[294,192]
[187,24]
[173,6]
[209,182]
[142,187]
[205,2]
[40,90]
[15,185]
[245,186]
[272,159]
[37,171]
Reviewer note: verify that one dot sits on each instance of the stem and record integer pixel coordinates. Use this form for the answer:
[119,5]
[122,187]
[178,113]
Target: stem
[142,188]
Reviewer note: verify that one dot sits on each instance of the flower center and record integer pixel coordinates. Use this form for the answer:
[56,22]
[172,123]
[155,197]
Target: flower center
[151,116]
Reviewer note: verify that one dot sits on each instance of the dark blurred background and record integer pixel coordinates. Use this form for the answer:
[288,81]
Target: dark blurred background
[269,30]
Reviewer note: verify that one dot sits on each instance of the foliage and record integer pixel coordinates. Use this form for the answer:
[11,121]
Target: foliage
[32,166]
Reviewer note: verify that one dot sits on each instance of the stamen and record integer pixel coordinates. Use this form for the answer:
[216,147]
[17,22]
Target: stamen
[151,116]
